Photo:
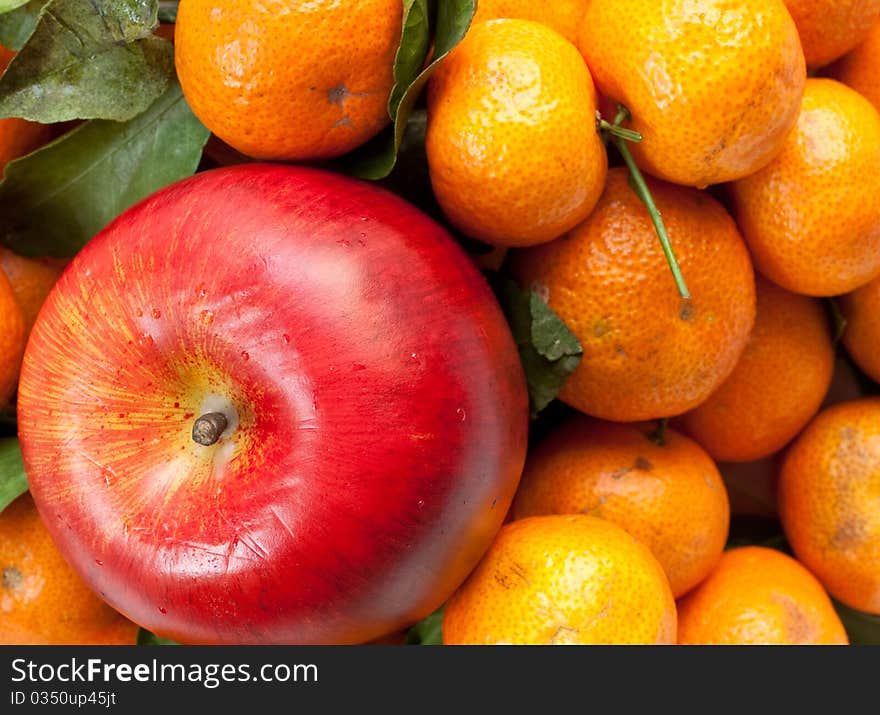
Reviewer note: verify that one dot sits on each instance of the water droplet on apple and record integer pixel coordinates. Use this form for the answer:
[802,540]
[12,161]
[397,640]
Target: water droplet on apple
[207,317]
[156,313]
[202,291]
[245,356]
[286,339]
[462,415]
[99,562]
[421,503]
[162,610]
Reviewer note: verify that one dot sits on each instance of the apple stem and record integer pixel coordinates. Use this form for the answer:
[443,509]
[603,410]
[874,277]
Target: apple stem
[208,428]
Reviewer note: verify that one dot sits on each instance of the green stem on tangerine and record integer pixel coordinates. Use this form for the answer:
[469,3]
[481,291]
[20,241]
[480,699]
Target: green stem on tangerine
[617,131]
[621,136]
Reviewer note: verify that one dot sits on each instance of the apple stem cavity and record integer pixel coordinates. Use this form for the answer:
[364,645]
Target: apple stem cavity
[208,428]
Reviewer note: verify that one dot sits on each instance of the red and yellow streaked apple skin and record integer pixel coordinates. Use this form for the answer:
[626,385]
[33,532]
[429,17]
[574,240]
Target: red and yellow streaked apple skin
[382,410]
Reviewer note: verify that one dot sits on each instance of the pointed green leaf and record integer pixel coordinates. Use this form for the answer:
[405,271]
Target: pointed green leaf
[451,20]
[415,42]
[428,631]
[55,199]
[550,336]
[88,59]
[13,480]
[145,637]
[17,26]
[549,351]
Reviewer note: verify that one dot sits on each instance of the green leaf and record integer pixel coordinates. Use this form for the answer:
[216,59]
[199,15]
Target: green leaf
[862,628]
[450,20]
[428,631]
[88,59]
[168,10]
[147,638]
[17,26]
[13,480]
[415,42]
[7,5]
[547,348]
[550,336]
[57,198]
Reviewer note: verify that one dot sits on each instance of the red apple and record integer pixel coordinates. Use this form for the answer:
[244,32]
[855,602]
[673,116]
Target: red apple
[371,410]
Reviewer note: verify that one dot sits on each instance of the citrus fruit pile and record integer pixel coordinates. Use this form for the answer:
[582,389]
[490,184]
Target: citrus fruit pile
[676,205]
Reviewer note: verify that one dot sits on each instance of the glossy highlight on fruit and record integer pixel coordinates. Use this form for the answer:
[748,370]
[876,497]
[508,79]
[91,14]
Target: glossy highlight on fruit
[647,353]
[570,579]
[829,488]
[811,216]
[374,405]
[511,141]
[289,80]
[639,478]
[759,596]
[778,383]
[713,86]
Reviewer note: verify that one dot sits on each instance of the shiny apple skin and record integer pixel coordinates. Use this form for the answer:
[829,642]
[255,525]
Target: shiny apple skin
[383,413]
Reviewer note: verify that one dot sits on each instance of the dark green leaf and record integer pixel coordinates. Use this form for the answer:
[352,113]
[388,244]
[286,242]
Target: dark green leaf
[168,10]
[54,200]
[147,638]
[17,26]
[452,18]
[13,481]
[415,42]
[547,348]
[428,631]
[862,628]
[550,336]
[89,59]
